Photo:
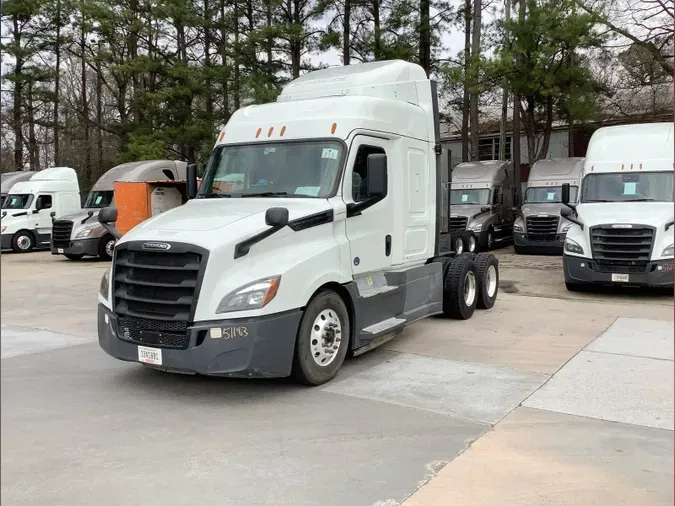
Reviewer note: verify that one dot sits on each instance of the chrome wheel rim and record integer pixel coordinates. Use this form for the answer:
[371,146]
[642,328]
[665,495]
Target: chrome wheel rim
[472,244]
[110,247]
[469,288]
[23,242]
[491,280]
[326,337]
[459,246]
[489,240]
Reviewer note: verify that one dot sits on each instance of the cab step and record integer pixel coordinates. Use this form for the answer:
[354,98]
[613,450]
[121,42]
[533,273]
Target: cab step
[376,290]
[384,326]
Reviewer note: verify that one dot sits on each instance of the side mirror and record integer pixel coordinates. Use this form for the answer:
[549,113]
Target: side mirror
[4,213]
[565,193]
[276,217]
[566,212]
[39,204]
[107,215]
[191,181]
[376,183]
[52,216]
[485,209]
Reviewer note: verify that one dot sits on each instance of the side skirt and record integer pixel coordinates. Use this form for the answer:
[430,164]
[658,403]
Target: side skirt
[386,302]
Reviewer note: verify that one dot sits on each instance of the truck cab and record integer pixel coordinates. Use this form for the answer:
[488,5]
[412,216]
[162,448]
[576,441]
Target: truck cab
[26,213]
[481,202]
[539,228]
[79,234]
[622,232]
[9,179]
[314,233]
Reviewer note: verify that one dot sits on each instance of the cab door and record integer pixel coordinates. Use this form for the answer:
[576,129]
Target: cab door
[369,232]
[44,205]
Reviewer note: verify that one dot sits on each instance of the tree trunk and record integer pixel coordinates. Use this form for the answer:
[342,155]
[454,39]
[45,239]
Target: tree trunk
[475,62]
[425,37]
[208,98]
[57,84]
[86,165]
[505,93]
[517,110]
[17,113]
[467,66]
[346,32]
[295,43]
[237,78]
[543,152]
[33,149]
[225,84]
[269,43]
[99,113]
[570,134]
[377,31]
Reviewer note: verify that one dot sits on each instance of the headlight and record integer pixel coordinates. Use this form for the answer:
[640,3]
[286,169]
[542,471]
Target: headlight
[566,227]
[105,284]
[518,226]
[252,296]
[668,251]
[573,247]
[476,227]
[84,233]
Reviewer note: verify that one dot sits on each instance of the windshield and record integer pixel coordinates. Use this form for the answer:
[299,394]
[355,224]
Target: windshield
[548,194]
[634,187]
[297,169]
[479,196]
[17,201]
[99,199]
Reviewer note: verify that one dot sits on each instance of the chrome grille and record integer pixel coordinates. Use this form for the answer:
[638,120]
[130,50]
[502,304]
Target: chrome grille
[458,223]
[624,250]
[542,228]
[61,230]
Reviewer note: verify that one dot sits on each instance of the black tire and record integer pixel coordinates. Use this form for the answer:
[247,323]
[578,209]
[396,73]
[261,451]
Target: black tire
[103,247]
[487,274]
[23,241]
[469,240]
[489,239]
[73,257]
[458,274]
[305,369]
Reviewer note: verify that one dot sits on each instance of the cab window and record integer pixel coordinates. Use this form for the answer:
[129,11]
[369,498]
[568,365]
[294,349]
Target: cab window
[360,171]
[44,202]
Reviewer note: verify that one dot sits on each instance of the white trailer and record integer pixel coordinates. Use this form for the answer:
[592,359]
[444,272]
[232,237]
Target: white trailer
[315,233]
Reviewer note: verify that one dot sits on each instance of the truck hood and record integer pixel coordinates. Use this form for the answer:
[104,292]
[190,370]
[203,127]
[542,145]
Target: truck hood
[469,210]
[78,216]
[552,209]
[637,213]
[212,222]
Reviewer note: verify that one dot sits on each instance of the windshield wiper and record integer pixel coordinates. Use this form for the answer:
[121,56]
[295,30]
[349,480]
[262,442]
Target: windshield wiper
[265,194]
[639,200]
[598,200]
[215,195]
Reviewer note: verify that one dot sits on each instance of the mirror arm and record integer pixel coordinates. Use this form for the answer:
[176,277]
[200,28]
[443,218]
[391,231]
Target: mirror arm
[356,208]
[242,248]
[112,230]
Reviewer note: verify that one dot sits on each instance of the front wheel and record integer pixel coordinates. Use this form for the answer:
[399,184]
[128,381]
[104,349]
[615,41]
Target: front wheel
[323,339]
[106,246]
[23,242]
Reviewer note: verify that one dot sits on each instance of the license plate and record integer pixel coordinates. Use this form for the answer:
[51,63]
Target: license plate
[59,250]
[620,278]
[150,355]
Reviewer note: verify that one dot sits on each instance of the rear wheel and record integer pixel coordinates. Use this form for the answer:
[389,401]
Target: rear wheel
[323,339]
[23,241]
[458,244]
[106,246]
[469,239]
[460,288]
[487,272]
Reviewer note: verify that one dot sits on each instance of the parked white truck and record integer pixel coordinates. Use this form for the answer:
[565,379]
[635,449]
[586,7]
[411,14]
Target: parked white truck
[539,228]
[9,179]
[623,223]
[79,234]
[26,220]
[327,241]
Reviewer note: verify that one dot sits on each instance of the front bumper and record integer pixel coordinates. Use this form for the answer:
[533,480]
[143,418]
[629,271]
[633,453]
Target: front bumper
[77,247]
[521,240]
[247,348]
[6,241]
[584,271]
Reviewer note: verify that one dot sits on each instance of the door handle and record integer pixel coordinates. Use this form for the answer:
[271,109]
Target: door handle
[387,245]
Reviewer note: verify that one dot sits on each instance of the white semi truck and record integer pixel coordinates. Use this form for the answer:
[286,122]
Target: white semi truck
[79,234]
[26,220]
[623,223]
[9,179]
[314,233]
